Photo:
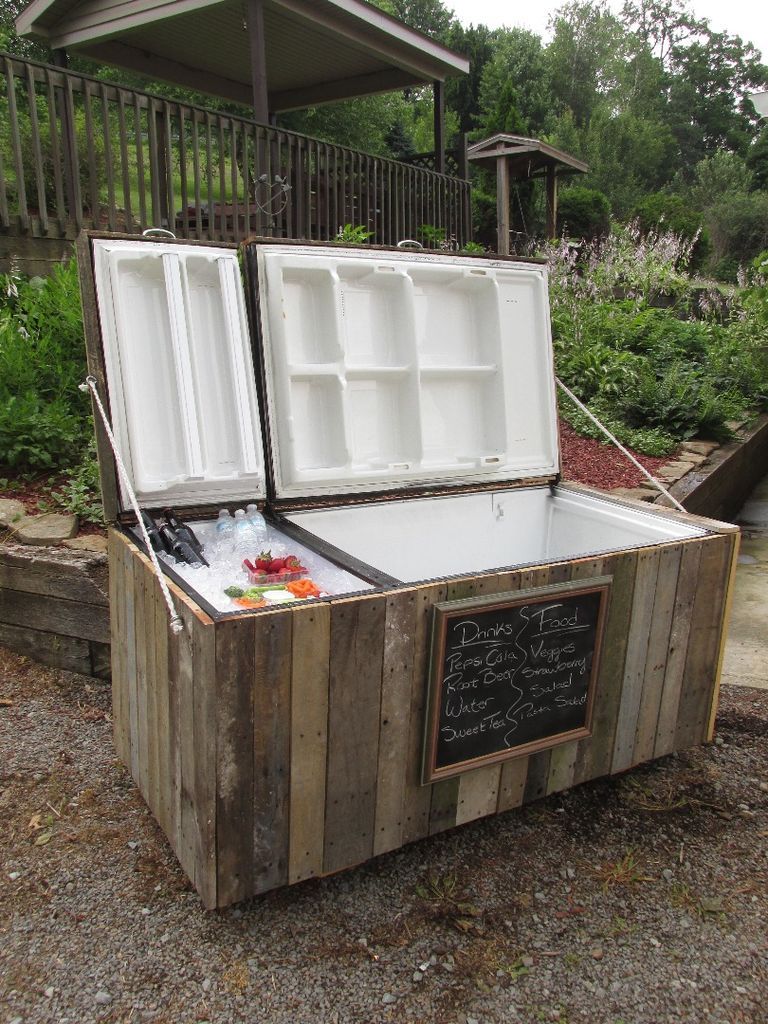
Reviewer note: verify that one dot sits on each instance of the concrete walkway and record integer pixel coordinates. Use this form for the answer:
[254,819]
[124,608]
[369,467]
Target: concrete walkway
[746,651]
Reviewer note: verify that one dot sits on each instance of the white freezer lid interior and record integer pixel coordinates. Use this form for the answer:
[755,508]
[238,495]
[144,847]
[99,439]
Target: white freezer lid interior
[431,538]
[179,371]
[387,370]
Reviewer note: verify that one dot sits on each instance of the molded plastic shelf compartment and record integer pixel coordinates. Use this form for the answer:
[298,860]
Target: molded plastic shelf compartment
[456,317]
[382,420]
[310,302]
[377,318]
[316,425]
[462,419]
[177,349]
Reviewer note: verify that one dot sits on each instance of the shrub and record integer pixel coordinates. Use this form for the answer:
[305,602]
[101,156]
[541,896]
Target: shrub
[44,417]
[583,213]
[662,211]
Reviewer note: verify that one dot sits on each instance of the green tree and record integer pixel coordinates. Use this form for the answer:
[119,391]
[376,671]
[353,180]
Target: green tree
[520,60]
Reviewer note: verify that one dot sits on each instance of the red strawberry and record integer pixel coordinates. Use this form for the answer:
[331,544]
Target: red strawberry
[247,564]
[264,560]
[276,564]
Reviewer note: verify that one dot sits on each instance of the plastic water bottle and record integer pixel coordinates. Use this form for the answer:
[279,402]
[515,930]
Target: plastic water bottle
[225,531]
[257,521]
[245,535]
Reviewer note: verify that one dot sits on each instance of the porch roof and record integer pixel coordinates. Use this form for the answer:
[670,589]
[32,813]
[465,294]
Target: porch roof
[317,51]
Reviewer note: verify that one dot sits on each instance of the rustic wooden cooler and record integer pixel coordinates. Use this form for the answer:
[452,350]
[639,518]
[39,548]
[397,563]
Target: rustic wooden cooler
[394,413]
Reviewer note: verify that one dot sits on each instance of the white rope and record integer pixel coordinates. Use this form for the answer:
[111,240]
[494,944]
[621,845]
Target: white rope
[176,623]
[619,445]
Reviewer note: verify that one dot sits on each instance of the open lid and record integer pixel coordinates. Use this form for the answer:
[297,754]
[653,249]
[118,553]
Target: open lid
[179,371]
[387,370]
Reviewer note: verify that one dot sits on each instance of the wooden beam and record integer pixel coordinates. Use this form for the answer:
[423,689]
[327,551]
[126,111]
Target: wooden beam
[551,184]
[502,206]
[438,91]
[170,71]
[258,53]
[341,89]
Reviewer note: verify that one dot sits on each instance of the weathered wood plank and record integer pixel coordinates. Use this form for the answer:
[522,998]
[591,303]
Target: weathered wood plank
[309,739]
[142,653]
[235,669]
[595,752]
[357,653]
[75,580]
[704,642]
[397,672]
[161,688]
[89,622]
[42,202]
[730,585]
[15,136]
[67,652]
[154,672]
[118,585]
[271,750]
[478,793]
[637,652]
[204,772]
[658,646]
[512,784]
[417,798]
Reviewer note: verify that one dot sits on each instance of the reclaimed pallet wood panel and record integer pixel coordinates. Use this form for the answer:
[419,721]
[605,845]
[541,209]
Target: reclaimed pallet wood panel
[55,615]
[658,646]
[235,668]
[357,653]
[700,676]
[66,652]
[677,650]
[396,680]
[646,581]
[417,799]
[595,752]
[311,646]
[271,749]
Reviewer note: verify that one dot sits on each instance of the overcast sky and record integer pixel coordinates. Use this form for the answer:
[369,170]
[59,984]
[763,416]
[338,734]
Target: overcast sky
[746,18]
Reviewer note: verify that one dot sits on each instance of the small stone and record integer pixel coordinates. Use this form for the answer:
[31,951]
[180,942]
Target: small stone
[50,528]
[103,997]
[654,942]
[49,992]
[145,911]
[11,512]
[88,542]
[596,953]
[449,967]
[763,787]
[206,985]
[388,998]
[417,976]
[686,922]
[133,845]
[16,1020]
[472,1020]
[14,875]
[719,741]
[527,961]
[667,874]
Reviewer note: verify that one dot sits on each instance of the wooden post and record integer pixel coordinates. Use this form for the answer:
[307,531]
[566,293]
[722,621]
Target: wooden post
[551,180]
[502,205]
[163,168]
[68,137]
[438,90]
[258,60]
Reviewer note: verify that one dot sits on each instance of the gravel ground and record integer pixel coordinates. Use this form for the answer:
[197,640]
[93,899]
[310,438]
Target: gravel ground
[638,900]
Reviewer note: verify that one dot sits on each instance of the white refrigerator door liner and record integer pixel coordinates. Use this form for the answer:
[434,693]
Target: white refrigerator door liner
[430,538]
[387,370]
[180,373]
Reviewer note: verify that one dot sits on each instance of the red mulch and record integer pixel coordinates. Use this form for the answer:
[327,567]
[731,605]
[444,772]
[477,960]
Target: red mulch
[601,465]
[34,490]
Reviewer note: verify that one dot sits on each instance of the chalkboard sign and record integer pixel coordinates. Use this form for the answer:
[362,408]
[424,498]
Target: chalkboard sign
[511,674]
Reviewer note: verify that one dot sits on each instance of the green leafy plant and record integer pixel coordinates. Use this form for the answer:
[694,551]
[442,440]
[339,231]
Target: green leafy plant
[81,493]
[352,234]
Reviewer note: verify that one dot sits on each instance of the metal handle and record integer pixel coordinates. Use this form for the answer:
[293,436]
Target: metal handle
[409,243]
[163,232]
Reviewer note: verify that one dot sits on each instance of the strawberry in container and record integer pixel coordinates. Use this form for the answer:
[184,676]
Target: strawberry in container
[267,569]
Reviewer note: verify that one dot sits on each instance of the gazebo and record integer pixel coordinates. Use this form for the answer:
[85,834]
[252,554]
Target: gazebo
[516,157]
[274,55]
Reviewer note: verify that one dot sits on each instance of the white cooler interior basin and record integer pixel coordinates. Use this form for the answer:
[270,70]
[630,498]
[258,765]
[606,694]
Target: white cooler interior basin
[428,538]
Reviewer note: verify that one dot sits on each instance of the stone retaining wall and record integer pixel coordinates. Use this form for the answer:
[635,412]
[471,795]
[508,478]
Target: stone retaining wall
[54,602]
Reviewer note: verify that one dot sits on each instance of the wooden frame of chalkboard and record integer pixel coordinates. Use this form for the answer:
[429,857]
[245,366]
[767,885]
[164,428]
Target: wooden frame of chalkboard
[512,674]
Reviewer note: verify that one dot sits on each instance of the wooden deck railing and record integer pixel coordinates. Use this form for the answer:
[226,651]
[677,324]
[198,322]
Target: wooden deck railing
[79,152]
